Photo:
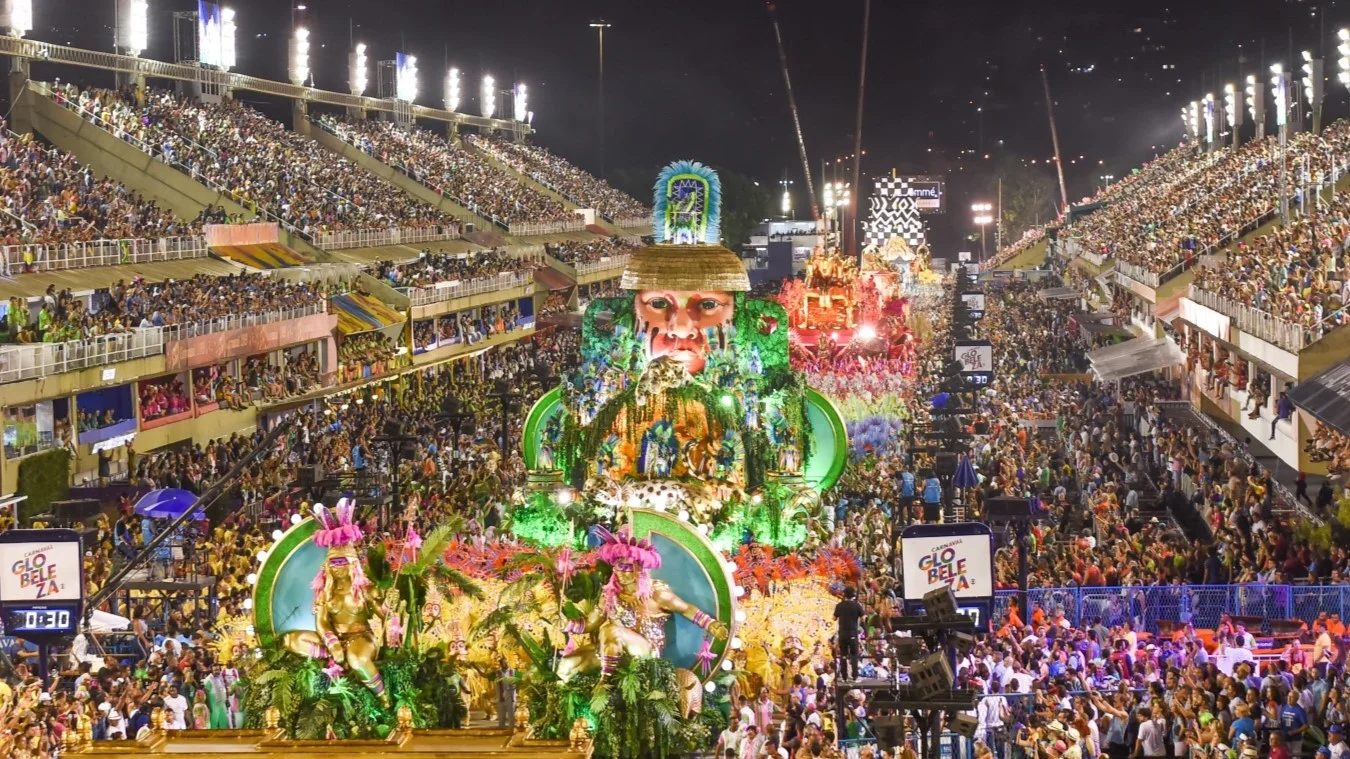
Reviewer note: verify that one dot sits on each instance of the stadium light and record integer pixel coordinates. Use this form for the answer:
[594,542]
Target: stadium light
[405,78]
[787,202]
[520,98]
[487,97]
[1209,118]
[16,16]
[132,30]
[1232,111]
[356,69]
[452,90]
[1343,62]
[299,70]
[1256,104]
[1312,88]
[227,29]
[1279,90]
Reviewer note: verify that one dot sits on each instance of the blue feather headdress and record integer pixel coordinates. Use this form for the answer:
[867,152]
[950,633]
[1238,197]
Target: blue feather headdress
[687,205]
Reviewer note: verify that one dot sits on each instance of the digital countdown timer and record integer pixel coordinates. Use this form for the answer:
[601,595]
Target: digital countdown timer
[19,621]
[41,582]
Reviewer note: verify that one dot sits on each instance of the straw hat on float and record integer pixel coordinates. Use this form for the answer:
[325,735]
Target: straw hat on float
[686,225]
[685,268]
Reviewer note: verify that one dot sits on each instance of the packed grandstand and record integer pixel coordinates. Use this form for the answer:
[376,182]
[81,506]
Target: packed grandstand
[1186,582]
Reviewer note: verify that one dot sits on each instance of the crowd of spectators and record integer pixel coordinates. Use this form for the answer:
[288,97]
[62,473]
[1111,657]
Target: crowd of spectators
[61,317]
[589,251]
[260,162]
[49,197]
[429,269]
[450,169]
[1170,218]
[557,174]
[1298,272]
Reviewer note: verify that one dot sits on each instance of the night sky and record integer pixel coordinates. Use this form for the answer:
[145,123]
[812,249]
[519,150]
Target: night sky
[700,78]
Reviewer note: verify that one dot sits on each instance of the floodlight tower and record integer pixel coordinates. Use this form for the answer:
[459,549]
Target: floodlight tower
[357,77]
[1256,104]
[131,36]
[298,71]
[1208,113]
[451,99]
[1343,62]
[1312,88]
[1232,112]
[1279,90]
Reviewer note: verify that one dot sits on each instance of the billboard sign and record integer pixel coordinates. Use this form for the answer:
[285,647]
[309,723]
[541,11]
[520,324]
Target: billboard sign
[960,556]
[974,303]
[41,582]
[927,191]
[977,360]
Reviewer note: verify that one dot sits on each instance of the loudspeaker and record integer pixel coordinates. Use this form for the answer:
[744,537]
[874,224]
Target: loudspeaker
[962,724]
[1007,508]
[944,464]
[940,603]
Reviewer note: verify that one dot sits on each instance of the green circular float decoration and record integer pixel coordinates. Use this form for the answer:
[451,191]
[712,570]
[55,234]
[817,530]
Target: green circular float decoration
[829,442]
[539,414]
[693,568]
[282,598]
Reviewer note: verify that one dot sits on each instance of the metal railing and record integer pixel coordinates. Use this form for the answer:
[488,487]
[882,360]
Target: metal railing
[377,238]
[36,360]
[48,52]
[604,264]
[631,222]
[1255,322]
[527,228]
[16,259]
[232,322]
[444,291]
[1147,606]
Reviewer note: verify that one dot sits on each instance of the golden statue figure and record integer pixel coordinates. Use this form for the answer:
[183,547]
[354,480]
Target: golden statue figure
[346,603]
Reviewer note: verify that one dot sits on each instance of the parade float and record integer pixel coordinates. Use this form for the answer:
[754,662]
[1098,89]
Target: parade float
[853,332]
[665,554]
[685,401]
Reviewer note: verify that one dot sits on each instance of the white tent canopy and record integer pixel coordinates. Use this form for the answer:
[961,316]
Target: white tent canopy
[1138,356]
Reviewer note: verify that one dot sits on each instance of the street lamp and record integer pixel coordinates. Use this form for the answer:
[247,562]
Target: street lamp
[787,197]
[983,216]
[600,25]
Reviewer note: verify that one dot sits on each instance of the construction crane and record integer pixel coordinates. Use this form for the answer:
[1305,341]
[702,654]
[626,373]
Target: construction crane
[792,103]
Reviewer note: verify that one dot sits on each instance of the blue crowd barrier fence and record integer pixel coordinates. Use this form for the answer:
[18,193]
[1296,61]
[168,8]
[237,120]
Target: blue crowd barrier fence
[1145,606]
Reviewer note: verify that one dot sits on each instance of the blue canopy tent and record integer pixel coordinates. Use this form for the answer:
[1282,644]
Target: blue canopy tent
[167,503]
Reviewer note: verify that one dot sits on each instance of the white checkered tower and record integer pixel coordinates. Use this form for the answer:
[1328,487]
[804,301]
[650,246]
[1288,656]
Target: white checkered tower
[893,213]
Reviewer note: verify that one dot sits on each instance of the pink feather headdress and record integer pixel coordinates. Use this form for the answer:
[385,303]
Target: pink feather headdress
[336,528]
[640,551]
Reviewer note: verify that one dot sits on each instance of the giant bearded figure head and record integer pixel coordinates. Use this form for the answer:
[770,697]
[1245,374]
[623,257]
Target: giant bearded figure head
[684,303]
[684,325]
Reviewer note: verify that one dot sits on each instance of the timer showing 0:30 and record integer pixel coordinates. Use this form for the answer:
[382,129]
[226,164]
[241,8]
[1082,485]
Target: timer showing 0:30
[35,620]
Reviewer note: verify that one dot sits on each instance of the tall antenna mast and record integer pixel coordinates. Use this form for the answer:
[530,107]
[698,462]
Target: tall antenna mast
[796,122]
[1054,139]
